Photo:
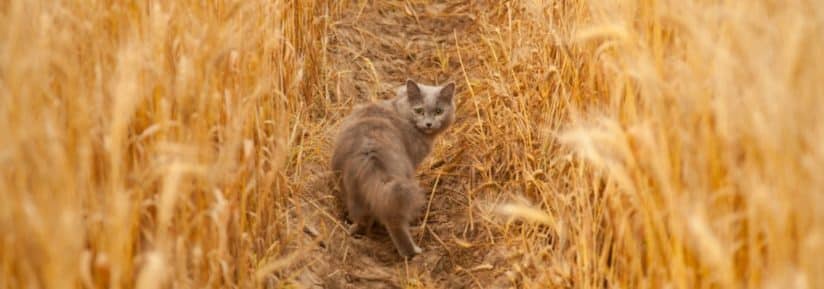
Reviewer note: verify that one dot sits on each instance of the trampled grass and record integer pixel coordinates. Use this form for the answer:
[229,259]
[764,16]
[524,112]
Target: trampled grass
[600,144]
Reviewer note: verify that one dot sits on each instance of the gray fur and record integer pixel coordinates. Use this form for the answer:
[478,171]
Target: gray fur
[377,151]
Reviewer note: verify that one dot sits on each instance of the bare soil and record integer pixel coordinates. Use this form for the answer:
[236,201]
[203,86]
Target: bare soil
[374,48]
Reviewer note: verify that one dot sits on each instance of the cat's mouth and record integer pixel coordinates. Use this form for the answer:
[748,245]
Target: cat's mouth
[428,130]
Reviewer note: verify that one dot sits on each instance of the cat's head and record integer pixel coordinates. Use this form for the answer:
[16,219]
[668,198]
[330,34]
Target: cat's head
[430,108]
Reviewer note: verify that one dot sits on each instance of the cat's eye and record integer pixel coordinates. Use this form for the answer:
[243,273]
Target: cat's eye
[419,110]
[438,111]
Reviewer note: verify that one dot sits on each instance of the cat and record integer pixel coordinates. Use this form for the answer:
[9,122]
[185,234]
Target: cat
[377,150]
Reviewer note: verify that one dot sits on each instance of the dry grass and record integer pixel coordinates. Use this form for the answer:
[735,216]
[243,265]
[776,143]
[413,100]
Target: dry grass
[600,144]
[144,141]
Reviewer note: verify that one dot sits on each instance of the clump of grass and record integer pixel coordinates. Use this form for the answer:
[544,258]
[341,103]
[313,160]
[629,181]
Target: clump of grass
[695,129]
[143,142]
[643,144]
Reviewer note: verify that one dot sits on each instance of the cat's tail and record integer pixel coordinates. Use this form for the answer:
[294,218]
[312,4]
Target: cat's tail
[393,200]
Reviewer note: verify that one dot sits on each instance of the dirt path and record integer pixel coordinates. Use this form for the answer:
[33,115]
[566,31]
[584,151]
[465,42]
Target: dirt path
[374,48]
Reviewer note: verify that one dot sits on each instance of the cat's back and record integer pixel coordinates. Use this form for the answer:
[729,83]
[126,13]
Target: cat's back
[372,115]
[368,127]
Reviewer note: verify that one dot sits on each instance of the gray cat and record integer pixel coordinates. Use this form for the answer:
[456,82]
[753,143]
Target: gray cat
[377,150]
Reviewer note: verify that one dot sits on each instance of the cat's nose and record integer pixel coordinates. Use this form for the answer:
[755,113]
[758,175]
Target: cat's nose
[428,124]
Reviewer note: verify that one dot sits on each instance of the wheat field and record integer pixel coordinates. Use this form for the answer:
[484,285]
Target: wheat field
[599,144]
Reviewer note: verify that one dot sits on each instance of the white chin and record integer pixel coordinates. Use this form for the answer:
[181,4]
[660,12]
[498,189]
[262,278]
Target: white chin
[427,130]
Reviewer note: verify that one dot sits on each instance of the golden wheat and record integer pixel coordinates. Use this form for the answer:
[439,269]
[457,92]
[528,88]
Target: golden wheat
[143,140]
[628,144]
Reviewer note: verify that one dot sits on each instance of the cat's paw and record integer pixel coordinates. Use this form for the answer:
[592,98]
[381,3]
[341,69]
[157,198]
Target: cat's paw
[357,230]
[411,252]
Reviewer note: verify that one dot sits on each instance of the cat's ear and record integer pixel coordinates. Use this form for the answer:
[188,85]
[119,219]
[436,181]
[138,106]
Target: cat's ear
[413,92]
[447,91]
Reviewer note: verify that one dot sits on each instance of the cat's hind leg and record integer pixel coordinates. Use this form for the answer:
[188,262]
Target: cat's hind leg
[361,226]
[403,241]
